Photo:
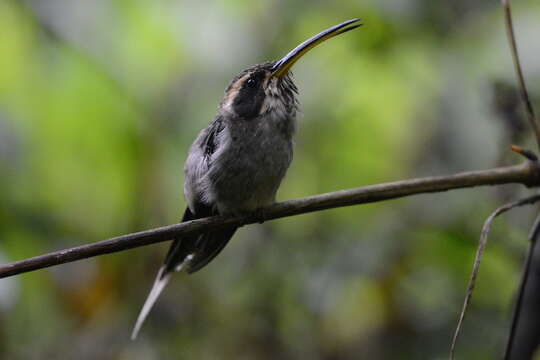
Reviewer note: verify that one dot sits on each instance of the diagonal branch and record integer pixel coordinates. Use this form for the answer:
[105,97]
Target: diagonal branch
[527,173]
[513,350]
[479,252]
[516,347]
[519,73]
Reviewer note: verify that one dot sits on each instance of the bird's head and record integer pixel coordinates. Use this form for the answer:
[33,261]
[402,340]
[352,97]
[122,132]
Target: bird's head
[268,87]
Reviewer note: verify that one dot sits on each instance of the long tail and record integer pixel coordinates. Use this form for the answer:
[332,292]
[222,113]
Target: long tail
[162,279]
[159,284]
[190,253]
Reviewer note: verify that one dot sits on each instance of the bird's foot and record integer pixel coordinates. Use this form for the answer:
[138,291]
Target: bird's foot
[260,215]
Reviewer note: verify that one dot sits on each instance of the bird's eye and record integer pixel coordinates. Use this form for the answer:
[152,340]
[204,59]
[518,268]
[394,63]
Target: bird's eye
[251,82]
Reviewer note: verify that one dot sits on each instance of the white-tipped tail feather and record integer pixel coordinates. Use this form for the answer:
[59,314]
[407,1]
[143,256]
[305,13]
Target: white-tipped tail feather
[159,284]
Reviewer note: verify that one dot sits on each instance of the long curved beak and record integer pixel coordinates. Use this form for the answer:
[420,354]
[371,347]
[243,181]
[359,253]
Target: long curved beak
[281,67]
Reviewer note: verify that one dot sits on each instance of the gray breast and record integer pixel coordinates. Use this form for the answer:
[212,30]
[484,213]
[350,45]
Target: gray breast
[250,163]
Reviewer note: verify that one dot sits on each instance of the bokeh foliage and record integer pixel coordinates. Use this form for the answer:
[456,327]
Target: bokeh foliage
[99,101]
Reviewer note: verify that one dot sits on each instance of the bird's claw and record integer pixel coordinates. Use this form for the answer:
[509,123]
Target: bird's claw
[260,215]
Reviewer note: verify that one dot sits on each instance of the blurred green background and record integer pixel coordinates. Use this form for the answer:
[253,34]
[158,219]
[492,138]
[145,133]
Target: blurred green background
[99,101]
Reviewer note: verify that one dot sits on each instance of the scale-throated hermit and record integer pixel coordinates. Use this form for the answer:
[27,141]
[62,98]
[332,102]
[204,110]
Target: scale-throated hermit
[236,164]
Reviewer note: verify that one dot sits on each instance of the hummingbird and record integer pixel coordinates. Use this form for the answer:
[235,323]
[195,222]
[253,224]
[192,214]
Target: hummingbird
[236,164]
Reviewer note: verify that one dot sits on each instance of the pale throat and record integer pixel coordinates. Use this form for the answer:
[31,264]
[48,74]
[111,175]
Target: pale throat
[273,102]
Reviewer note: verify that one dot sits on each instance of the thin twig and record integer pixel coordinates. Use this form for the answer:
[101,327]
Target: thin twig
[476,266]
[533,236]
[526,173]
[536,128]
[528,154]
[519,73]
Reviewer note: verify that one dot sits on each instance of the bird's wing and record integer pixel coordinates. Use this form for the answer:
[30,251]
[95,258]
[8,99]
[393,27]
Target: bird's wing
[198,163]
[210,244]
[210,139]
[184,246]
[191,252]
